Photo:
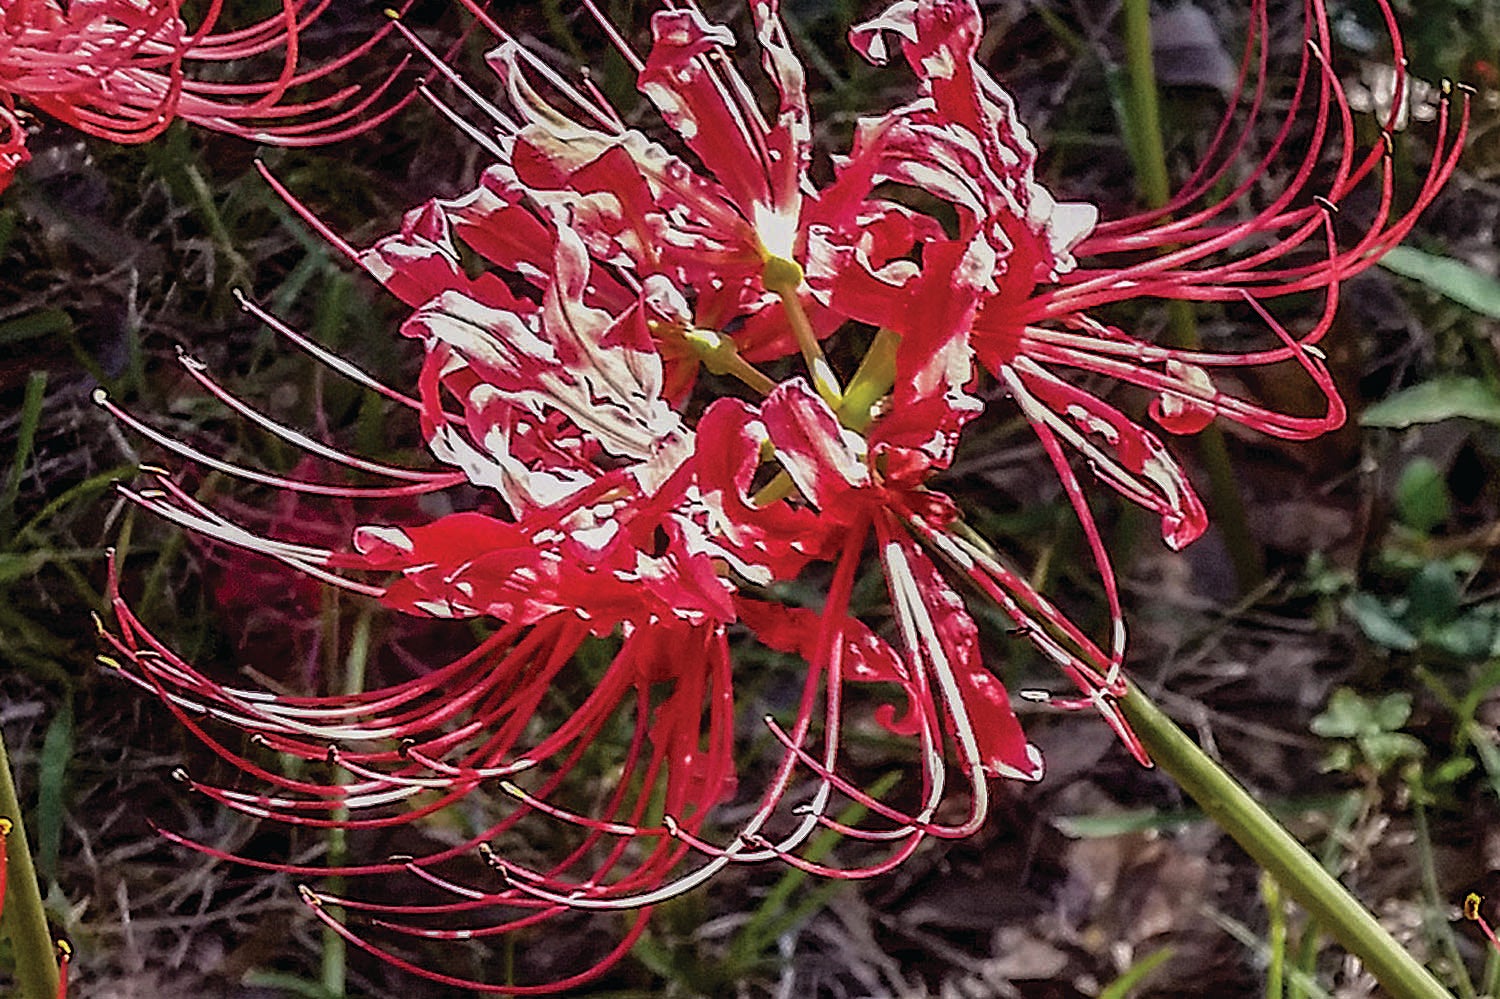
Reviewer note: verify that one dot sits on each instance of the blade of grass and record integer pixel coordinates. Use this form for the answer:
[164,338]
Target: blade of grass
[52,775]
[1246,937]
[1311,943]
[1436,927]
[1306,965]
[335,948]
[1156,820]
[34,326]
[294,985]
[1137,973]
[31,415]
[84,490]
[1270,893]
[1489,982]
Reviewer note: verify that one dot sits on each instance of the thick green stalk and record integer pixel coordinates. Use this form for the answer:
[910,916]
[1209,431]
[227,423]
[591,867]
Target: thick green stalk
[1275,849]
[1149,153]
[25,921]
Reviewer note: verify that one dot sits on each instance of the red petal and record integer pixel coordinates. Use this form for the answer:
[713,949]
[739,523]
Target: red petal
[983,709]
[867,658]
[825,461]
[1121,453]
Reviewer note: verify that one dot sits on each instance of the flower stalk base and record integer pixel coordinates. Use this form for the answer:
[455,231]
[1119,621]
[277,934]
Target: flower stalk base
[1232,808]
[24,920]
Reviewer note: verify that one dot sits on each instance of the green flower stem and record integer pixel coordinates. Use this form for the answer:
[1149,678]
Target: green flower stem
[1149,154]
[1271,846]
[24,921]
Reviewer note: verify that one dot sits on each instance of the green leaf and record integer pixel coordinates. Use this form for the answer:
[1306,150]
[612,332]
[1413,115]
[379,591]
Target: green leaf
[35,326]
[1453,769]
[1350,715]
[1346,716]
[7,228]
[1378,623]
[1433,596]
[1475,635]
[31,414]
[296,985]
[1391,712]
[1383,749]
[655,957]
[57,751]
[1462,639]
[1124,823]
[1422,500]
[1432,402]
[1452,278]
[14,566]
[1340,759]
[1373,725]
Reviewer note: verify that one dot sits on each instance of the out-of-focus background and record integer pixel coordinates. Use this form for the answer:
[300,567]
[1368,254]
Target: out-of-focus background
[1354,683]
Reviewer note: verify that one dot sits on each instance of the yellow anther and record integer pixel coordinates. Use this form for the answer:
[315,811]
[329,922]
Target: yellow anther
[6,825]
[1472,902]
[64,949]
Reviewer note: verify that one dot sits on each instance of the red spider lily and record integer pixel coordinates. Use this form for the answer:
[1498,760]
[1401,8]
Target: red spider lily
[118,69]
[629,509]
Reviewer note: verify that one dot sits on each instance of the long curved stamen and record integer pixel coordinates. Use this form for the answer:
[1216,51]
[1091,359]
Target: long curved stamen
[322,356]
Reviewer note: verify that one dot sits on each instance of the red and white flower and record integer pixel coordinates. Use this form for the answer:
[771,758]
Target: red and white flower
[120,70]
[631,506]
